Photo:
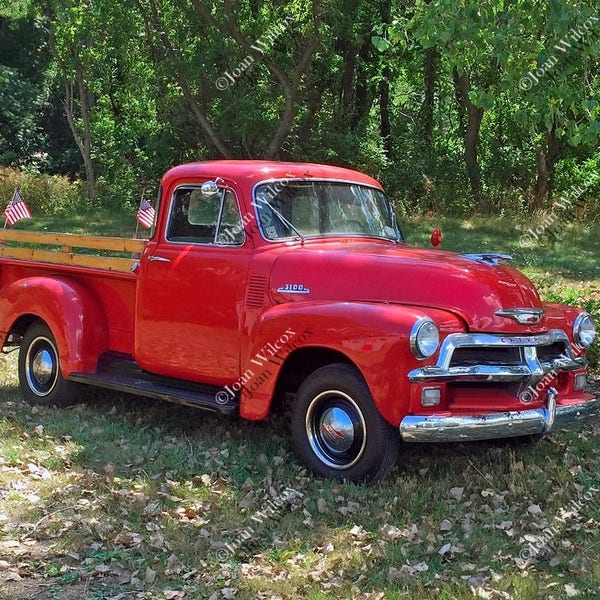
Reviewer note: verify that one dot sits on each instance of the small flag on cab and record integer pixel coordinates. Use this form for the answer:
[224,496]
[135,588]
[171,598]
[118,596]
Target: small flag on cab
[145,214]
[16,210]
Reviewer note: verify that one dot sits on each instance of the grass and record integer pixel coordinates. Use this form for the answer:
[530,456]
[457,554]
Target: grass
[124,497]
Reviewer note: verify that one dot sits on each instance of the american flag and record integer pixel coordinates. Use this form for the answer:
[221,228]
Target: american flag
[145,214]
[17,209]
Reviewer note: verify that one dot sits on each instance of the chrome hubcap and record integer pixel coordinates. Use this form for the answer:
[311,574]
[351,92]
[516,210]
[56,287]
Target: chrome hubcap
[336,429]
[41,366]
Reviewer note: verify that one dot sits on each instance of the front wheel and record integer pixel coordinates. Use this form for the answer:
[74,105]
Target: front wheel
[338,431]
[40,379]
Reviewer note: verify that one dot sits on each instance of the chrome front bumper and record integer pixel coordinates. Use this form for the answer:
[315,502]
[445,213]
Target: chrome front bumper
[499,425]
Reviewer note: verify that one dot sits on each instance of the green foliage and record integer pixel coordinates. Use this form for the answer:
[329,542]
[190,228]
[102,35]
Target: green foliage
[44,194]
[356,97]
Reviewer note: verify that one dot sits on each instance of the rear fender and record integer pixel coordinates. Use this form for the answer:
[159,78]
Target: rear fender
[71,311]
[373,337]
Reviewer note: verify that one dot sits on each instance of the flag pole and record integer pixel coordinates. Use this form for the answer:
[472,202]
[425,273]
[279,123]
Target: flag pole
[5,219]
[137,223]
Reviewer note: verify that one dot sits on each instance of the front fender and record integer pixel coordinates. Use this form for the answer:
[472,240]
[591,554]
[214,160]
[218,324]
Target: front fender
[374,337]
[71,311]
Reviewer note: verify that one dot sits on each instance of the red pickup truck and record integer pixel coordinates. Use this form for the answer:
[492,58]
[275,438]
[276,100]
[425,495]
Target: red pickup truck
[266,282]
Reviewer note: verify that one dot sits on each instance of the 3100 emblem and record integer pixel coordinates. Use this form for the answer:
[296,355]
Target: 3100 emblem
[293,288]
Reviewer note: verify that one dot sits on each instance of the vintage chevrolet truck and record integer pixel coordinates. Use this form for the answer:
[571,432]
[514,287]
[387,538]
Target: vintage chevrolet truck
[268,284]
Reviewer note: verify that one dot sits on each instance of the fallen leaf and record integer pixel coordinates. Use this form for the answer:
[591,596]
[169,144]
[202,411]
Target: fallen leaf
[457,493]
[444,549]
[391,532]
[328,548]
[247,500]
[535,510]
[445,525]
[571,590]
[174,565]
[421,567]
[150,576]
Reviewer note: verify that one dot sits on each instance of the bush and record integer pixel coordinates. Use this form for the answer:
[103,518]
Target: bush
[44,194]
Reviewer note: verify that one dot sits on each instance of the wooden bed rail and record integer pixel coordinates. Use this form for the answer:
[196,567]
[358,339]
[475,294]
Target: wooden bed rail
[61,248]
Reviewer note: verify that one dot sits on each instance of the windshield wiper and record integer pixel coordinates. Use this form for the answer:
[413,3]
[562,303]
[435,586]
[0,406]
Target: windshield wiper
[282,218]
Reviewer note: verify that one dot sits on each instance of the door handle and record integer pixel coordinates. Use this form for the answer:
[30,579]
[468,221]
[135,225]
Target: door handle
[159,259]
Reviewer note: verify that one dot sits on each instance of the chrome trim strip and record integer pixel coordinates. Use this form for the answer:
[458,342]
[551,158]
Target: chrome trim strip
[532,366]
[442,429]
[504,373]
[524,316]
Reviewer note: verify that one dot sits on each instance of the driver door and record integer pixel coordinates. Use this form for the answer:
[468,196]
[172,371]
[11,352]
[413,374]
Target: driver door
[191,290]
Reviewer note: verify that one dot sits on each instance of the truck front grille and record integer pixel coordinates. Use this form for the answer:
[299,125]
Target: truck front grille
[499,358]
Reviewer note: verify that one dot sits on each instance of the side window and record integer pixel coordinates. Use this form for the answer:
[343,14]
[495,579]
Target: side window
[231,228]
[205,219]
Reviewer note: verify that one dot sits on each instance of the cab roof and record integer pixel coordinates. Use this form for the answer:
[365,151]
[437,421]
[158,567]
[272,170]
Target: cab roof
[251,172]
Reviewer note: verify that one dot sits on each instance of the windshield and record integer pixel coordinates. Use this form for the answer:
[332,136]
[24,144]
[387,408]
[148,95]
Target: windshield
[288,209]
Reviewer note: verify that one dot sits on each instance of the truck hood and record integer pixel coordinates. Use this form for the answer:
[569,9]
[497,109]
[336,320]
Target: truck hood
[380,271]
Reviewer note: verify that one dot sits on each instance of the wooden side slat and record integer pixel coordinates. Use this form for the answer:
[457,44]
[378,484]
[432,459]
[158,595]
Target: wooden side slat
[61,258]
[114,244]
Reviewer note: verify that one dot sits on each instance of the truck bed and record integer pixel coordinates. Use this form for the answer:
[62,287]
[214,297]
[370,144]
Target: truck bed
[65,249]
[103,264]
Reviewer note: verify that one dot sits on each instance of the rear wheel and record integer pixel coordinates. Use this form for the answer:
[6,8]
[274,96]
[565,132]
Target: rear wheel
[40,378]
[338,431]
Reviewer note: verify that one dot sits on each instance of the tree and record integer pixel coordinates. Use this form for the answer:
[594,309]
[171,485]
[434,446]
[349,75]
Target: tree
[71,37]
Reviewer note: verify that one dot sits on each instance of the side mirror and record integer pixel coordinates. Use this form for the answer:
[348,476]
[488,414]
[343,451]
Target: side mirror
[209,188]
[436,237]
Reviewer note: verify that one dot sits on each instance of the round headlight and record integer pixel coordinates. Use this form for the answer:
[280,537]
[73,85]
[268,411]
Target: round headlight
[424,338]
[584,330]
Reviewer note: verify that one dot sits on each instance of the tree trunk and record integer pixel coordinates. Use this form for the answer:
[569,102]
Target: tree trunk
[427,108]
[545,159]
[385,127]
[462,86]
[83,140]
[153,22]
[348,53]
[362,99]
[290,83]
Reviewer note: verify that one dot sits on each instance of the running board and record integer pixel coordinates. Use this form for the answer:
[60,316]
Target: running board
[131,379]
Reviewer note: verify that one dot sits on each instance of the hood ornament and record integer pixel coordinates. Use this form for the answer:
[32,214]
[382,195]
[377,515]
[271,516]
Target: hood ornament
[524,316]
[491,258]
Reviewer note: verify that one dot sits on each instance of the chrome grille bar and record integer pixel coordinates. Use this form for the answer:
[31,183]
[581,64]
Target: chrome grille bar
[531,368]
